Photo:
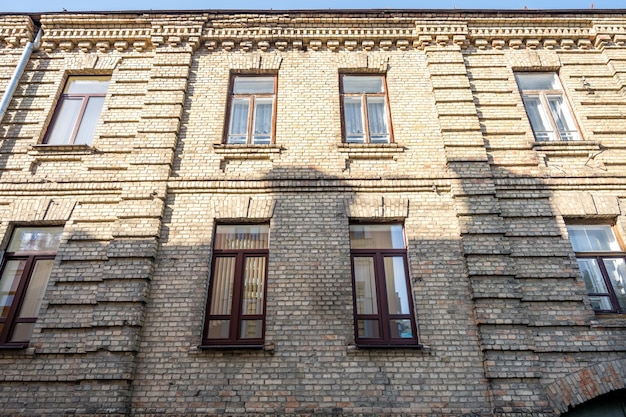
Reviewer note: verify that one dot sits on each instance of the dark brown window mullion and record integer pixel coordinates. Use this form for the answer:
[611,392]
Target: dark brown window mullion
[607,281]
[235,308]
[381,289]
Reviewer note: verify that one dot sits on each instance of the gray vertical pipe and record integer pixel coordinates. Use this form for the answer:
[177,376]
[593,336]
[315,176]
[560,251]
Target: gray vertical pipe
[17,74]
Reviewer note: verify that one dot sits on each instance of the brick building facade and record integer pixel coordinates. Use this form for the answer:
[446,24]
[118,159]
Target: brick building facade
[444,194]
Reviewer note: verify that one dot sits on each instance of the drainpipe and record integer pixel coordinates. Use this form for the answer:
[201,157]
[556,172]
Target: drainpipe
[17,74]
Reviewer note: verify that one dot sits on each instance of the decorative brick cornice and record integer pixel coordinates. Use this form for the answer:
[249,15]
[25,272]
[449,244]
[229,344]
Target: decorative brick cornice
[178,30]
[308,32]
[120,32]
[517,31]
[16,31]
[87,32]
[545,32]
[324,31]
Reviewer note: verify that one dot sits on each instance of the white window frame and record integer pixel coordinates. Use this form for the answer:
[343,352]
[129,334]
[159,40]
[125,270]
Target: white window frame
[364,97]
[251,137]
[67,125]
[550,112]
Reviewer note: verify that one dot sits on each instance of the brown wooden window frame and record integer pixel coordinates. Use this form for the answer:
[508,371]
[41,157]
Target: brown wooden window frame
[384,317]
[236,317]
[12,320]
[251,118]
[599,257]
[367,136]
[77,121]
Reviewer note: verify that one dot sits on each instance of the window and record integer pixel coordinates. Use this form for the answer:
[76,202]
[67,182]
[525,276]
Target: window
[602,263]
[25,271]
[547,109]
[365,115]
[382,298]
[251,119]
[236,303]
[77,113]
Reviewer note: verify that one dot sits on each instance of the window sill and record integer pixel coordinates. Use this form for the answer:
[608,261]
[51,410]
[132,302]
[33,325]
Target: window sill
[208,347]
[239,151]
[42,147]
[371,150]
[609,320]
[42,152]
[14,347]
[567,148]
[365,346]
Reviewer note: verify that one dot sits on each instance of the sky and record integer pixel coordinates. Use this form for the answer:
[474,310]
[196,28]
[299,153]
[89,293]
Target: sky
[88,5]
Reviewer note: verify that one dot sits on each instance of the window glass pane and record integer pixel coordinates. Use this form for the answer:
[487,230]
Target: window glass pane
[365,285]
[600,303]
[401,329]
[87,85]
[222,289]
[253,285]
[353,119]
[36,288]
[616,268]
[64,121]
[368,329]
[556,106]
[377,117]
[9,282]
[395,277]
[22,332]
[593,238]
[242,236]
[263,108]
[562,118]
[218,329]
[89,121]
[251,329]
[35,239]
[376,236]
[238,126]
[537,81]
[363,84]
[538,118]
[253,85]
[592,276]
